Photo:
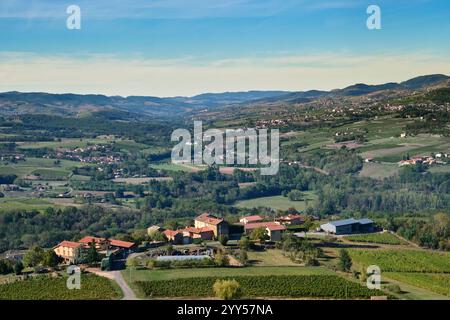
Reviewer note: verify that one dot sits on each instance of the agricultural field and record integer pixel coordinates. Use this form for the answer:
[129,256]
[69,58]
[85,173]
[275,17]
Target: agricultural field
[176,167]
[279,202]
[64,143]
[8,204]
[47,288]
[392,260]
[138,181]
[394,149]
[381,238]
[169,274]
[379,170]
[438,283]
[289,286]
[271,257]
[31,166]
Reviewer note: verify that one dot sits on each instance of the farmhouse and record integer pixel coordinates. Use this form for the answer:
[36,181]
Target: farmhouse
[108,244]
[274,229]
[67,250]
[218,226]
[291,219]
[251,219]
[189,234]
[173,236]
[348,226]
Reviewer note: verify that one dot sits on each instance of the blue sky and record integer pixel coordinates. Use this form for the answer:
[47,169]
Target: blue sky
[185,47]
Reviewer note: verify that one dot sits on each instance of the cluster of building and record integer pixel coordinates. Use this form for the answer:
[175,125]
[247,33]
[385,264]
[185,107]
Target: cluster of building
[84,155]
[69,250]
[268,123]
[209,227]
[12,157]
[206,227]
[438,158]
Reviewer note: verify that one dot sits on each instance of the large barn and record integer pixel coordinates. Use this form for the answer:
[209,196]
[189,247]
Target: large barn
[348,226]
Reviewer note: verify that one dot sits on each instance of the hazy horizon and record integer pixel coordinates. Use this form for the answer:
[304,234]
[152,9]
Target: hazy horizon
[184,48]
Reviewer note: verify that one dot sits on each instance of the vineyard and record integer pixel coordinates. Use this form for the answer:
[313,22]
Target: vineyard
[47,288]
[439,283]
[403,260]
[382,238]
[313,286]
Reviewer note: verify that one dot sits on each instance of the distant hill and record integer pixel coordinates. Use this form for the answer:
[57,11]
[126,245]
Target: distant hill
[12,103]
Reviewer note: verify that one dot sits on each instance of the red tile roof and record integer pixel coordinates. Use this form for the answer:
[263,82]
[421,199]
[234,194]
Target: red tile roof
[69,244]
[209,219]
[197,230]
[291,217]
[170,233]
[113,242]
[272,226]
[89,239]
[121,244]
[252,218]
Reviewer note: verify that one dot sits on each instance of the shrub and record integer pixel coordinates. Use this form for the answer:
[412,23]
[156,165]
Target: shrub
[395,288]
[345,262]
[227,289]
[223,239]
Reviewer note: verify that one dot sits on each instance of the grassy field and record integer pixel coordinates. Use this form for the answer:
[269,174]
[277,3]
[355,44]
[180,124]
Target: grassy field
[279,202]
[394,149]
[46,288]
[392,260]
[8,204]
[52,174]
[30,165]
[272,257]
[438,283]
[379,170]
[176,167]
[382,238]
[64,143]
[440,169]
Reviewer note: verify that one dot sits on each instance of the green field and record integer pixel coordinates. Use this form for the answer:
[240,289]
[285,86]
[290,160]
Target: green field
[438,283]
[8,204]
[382,238]
[279,202]
[52,174]
[64,143]
[176,167]
[392,260]
[286,286]
[30,165]
[47,288]
[379,170]
[169,274]
[271,257]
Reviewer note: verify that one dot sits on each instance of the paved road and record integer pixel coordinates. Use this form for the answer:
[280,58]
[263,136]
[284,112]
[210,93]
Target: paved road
[128,293]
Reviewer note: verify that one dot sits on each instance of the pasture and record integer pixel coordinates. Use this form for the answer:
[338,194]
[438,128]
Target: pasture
[279,202]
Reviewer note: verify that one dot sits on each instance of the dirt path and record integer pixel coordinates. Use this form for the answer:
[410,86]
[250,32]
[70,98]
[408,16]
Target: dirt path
[128,293]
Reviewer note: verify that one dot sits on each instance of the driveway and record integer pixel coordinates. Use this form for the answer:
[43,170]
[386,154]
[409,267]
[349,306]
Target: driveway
[128,293]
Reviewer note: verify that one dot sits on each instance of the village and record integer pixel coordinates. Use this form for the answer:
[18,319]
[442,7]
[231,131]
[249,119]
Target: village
[204,240]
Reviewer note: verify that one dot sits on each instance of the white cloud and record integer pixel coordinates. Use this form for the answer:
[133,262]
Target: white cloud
[115,75]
